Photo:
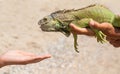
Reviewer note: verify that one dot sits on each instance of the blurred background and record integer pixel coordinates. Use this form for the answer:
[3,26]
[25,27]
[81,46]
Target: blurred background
[19,31]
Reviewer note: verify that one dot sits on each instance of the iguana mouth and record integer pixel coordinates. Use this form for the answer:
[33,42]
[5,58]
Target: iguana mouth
[41,25]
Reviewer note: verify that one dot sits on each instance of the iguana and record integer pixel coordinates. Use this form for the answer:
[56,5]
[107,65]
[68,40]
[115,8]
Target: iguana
[59,21]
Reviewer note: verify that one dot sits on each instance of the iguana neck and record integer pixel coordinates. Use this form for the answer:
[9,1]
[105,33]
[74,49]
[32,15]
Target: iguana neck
[65,17]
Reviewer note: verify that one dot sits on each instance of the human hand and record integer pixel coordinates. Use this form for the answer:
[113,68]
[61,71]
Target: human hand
[113,34]
[16,57]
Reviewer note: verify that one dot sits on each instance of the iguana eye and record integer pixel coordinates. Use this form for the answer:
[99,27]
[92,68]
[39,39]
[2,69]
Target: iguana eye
[45,19]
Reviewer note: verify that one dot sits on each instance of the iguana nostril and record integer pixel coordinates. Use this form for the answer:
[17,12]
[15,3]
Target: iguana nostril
[39,23]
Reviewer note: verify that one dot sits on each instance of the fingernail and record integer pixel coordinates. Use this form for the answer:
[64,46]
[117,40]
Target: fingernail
[91,22]
[71,24]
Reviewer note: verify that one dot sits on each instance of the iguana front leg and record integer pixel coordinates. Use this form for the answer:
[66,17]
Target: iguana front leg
[75,42]
[101,37]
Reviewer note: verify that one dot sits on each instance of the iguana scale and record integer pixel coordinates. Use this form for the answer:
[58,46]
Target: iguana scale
[59,21]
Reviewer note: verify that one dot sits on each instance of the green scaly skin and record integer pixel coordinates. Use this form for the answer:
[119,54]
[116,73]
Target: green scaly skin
[59,21]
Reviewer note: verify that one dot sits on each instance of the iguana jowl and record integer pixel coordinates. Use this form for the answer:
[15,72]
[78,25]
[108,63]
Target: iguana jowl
[59,21]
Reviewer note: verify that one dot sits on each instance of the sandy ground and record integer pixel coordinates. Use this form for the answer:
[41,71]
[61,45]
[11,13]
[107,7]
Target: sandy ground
[19,30]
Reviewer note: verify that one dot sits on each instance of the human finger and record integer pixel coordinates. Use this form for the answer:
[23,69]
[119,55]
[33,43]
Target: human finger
[83,31]
[115,43]
[39,58]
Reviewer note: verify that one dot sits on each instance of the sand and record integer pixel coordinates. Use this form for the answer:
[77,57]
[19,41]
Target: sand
[19,31]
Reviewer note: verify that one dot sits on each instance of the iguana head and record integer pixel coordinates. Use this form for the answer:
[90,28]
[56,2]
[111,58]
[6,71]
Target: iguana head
[52,24]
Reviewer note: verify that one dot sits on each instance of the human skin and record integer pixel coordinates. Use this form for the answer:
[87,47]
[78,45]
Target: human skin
[113,34]
[17,57]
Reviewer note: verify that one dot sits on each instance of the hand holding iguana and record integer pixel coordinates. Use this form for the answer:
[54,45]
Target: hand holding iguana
[59,21]
[113,34]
